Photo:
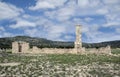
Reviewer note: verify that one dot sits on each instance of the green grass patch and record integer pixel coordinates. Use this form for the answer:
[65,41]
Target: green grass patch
[115,51]
[63,58]
[82,59]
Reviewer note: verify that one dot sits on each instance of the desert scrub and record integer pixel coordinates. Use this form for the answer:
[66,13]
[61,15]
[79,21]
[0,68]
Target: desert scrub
[82,59]
[72,59]
[116,51]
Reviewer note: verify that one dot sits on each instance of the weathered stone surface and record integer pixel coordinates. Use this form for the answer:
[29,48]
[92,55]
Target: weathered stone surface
[78,41]
[20,47]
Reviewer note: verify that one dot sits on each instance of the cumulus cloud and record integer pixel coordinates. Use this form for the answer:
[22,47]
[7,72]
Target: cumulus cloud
[8,11]
[104,37]
[58,19]
[111,24]
[2,28]
[62,14]
[68,13]
[31,32]
[111,1]
[102,11]
[21,23]
[47,4]
[88,19]
[4,33]
[118,30]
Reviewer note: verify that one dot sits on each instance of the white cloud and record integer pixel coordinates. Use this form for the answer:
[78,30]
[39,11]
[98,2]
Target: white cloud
[8,11]
[68,37]
[88,19]
[4,33]
[21,23]
[31,32]
[55,32]
[47,4]
[83,2]
[118,30]
[62,14]
[2,28]
[102,11]
[111,24]
[58,23]
[50,32]
[7,34]
[111,1]
[85,8]
[104,37]
[42,5]
[91,32]
[56,29]
[88,3]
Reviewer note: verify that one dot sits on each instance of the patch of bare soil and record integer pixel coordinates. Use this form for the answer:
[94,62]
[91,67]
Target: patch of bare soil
[10,64]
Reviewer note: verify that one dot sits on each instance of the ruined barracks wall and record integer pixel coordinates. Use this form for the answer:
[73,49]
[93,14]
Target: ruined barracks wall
[25,49]
[20,47]
[52,50]
[15,47]
[102,50]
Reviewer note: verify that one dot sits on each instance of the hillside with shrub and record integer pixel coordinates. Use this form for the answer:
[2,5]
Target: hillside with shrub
[6,42]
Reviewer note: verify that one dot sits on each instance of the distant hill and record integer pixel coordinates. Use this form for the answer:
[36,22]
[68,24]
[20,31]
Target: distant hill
[34,41]
[44,43]
[113,44]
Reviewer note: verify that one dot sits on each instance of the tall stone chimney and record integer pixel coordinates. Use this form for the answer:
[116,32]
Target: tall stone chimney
[78,41]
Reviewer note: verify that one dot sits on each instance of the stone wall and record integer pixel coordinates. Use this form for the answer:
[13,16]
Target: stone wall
[25,49]
[20,47]
[52,50]
[102,50]
[15,47]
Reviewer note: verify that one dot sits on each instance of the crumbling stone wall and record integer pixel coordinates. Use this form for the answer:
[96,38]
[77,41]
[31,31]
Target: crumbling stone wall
[15,47]
[105,50]
[23,47]
[53,50]
[20,47]
[102,50]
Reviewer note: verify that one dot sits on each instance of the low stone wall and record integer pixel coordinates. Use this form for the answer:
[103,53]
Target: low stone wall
[81,50]
[53,50]
[102,50]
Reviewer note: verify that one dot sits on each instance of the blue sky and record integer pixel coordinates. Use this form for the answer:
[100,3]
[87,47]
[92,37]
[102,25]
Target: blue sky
[56,19]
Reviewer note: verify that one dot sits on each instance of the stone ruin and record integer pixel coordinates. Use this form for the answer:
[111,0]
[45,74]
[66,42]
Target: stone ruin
[23,47]
[20,47]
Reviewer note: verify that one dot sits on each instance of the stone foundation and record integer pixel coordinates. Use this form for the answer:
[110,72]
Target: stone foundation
[35,50]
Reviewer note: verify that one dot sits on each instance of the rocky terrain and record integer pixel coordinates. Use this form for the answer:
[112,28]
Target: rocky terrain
[65,65]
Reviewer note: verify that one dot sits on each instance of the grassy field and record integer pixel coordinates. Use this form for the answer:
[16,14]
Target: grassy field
[116,51]
[60,65]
